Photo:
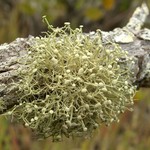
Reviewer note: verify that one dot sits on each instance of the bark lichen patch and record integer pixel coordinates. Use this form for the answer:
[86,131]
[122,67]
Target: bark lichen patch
[72,84]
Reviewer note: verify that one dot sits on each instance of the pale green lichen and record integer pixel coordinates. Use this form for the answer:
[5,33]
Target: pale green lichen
[73,83]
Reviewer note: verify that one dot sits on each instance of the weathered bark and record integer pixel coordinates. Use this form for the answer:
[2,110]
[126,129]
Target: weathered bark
[9,55]
[138,47]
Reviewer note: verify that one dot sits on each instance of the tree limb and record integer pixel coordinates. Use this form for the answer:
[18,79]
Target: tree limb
[131,38]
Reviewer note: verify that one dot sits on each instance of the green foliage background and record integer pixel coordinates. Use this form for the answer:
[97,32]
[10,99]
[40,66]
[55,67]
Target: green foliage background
[19,18]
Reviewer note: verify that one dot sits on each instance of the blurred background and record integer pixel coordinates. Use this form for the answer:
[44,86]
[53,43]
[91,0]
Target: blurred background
[21,18]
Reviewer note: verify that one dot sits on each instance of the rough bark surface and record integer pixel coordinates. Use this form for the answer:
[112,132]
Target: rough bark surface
[137,44]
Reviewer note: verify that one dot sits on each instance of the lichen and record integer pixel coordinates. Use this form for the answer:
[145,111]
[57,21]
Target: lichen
[73,83]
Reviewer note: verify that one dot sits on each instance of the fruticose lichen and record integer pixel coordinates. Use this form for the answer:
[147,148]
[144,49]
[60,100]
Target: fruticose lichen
[73,83]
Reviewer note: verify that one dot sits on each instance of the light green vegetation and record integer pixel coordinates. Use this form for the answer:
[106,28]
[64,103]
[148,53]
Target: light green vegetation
[73,83]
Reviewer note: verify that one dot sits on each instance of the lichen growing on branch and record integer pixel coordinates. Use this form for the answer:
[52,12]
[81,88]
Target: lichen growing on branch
[73,83]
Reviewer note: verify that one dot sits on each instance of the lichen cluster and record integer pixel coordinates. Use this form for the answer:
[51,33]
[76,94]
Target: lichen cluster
[73,83]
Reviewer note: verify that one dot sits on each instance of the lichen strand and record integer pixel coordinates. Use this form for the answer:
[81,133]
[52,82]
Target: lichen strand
[73,84]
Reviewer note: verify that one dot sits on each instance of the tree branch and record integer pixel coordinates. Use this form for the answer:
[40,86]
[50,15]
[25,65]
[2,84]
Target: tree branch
[131,38]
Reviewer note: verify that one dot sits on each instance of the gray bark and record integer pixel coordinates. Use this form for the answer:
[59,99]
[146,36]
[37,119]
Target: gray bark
[131,38]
